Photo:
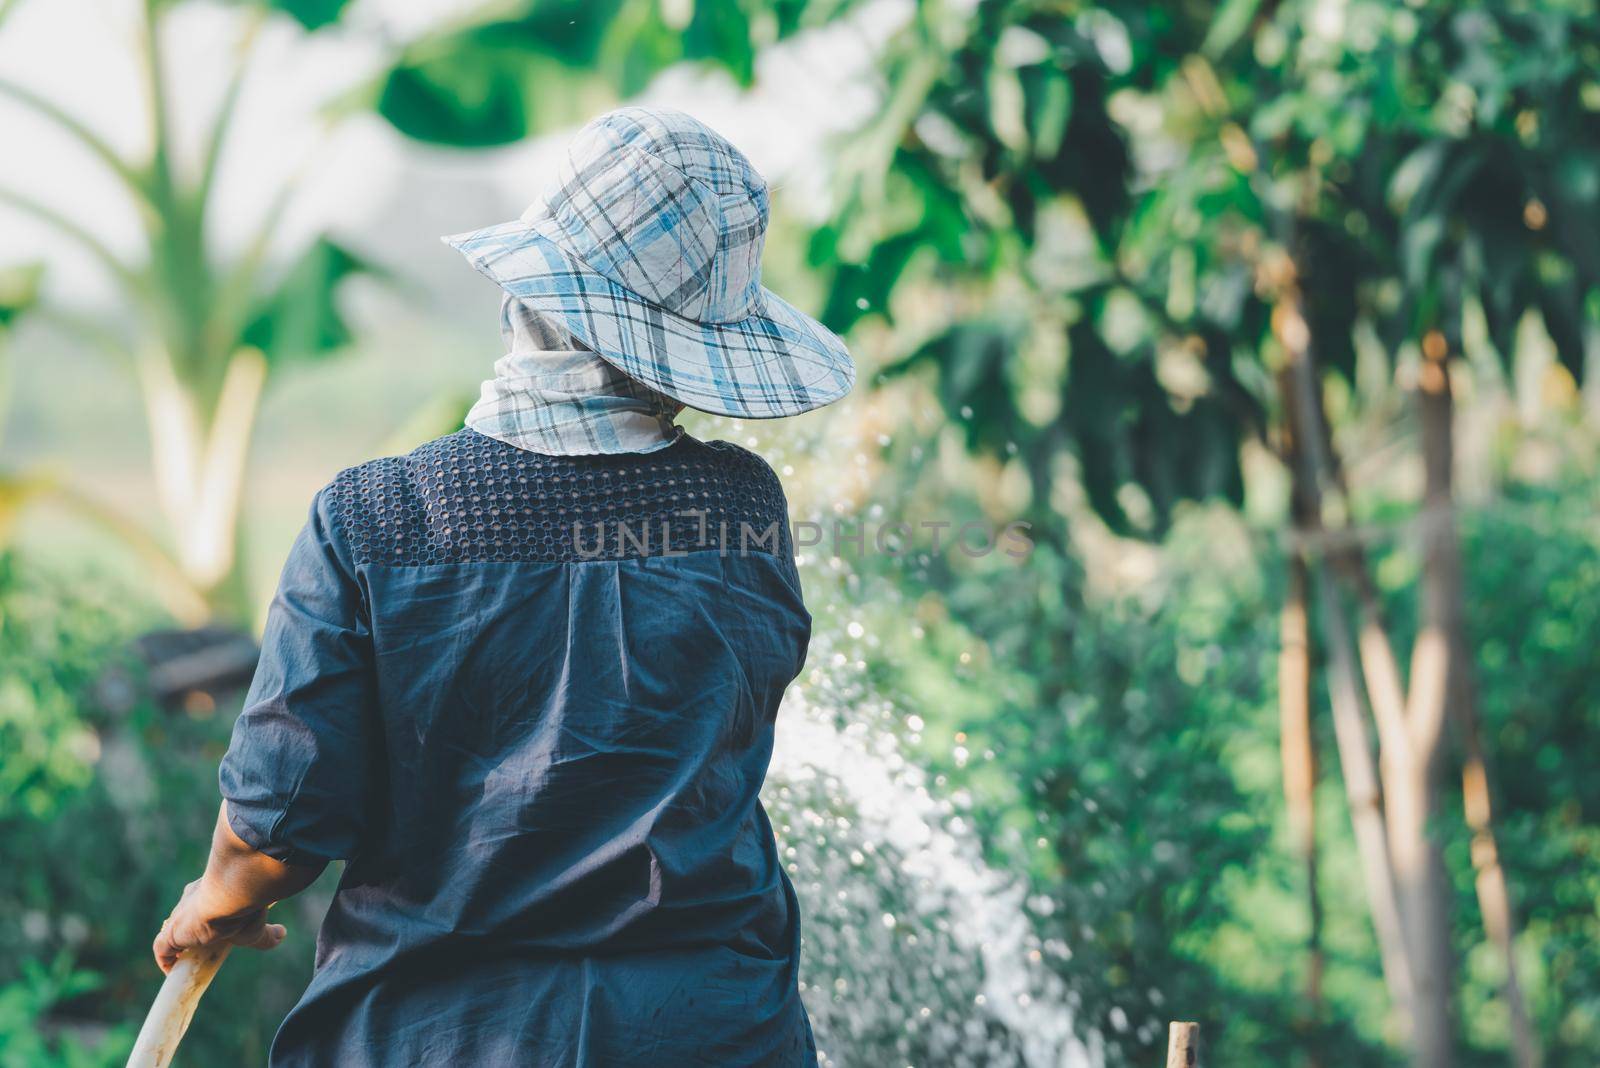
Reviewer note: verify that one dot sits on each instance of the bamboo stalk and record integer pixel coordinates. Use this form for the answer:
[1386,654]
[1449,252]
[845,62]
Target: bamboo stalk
[1494,897]
[1452,691]
[1364,799]
[1297,752]
[1183,1045]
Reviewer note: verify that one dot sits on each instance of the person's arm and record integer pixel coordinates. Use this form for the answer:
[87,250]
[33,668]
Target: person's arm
[296,778]
[229,902]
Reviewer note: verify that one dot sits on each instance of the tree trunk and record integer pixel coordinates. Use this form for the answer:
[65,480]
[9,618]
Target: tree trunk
[1299,757]
[1365,801]
[1309,461]
[1410,719]
[1494,897]
[1296,742]
[1419,870]
[199,463]
[1409,795]
[1451,687]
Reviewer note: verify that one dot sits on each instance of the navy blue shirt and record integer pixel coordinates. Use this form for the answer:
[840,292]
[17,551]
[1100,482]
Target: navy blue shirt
[530,700]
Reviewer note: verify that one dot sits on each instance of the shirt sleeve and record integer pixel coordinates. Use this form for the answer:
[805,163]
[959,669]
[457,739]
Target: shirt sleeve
[298,770]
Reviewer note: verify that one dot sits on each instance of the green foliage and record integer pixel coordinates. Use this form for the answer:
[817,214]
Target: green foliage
[1114,755]
[26,1040]
[1417,162]
[1119,756]
[1533,601]
[187,312]
[1122,756]
[51,651]
[539,64]
[104,818]
[1130,431]
[1496,176]
[1426,147]
[998,172]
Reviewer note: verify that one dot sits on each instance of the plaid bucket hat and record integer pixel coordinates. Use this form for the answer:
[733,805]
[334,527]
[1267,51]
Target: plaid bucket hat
[647,248]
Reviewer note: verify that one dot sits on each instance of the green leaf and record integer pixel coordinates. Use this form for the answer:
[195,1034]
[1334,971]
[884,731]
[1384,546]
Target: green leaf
[300,320]
[1006,108]
[1334,267]
[720,32]
[497,82]
[312,14]
[1095,161]
[1418,243]
[1130,432]
[571,31]
[859,290]
[1418,170]
[1562,304]
[465,98]
[1049,99]
[1230,23]
[974,386]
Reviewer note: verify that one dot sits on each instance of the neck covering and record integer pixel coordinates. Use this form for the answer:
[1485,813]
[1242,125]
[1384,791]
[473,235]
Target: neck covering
[550,395]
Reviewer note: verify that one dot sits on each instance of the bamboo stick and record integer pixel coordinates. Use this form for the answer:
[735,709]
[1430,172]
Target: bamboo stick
[174,1006]
[1183,1045]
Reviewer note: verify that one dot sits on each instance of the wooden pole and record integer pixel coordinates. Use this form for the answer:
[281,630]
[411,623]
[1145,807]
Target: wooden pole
[174,1006]
[1299,759]
[1183,1045]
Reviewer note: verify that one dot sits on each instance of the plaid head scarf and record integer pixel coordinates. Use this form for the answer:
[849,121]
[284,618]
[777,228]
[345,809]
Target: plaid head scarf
[551,395]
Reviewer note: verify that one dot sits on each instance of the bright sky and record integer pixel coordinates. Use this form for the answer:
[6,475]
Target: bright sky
[390,196]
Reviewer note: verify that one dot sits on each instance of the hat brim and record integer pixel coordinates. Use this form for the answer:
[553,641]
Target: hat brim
[777,361]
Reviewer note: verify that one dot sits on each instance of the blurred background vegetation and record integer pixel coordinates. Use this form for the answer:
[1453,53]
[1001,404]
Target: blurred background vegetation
[1272,318]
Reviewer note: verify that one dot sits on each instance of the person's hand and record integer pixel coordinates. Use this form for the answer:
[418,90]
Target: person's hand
[201,920]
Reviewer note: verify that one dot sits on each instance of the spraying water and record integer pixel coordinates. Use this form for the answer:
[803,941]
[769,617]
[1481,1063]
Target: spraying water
[916,952]
[912,943]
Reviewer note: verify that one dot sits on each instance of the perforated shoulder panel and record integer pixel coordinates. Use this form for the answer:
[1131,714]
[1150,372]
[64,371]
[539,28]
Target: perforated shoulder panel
[470,498]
